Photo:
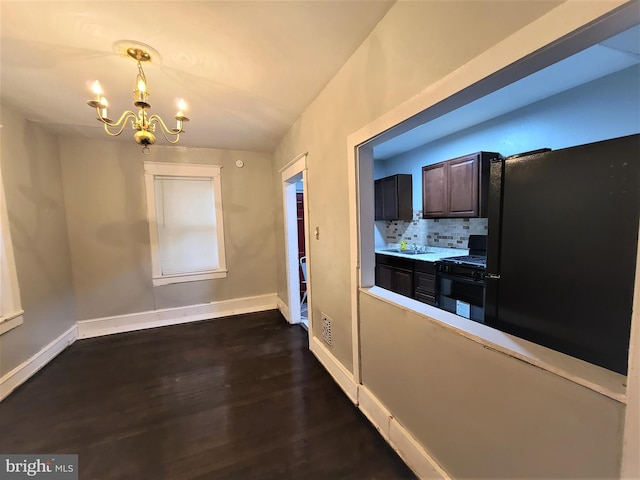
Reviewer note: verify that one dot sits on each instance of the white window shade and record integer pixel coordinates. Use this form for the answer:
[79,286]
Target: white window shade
[186,225]
[185,222]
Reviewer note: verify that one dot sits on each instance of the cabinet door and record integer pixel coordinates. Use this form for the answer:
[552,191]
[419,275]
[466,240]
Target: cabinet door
[463,187]
[425,283]
[428,299]
[434,190]
[379,200]
[393,197]
[384,276]
[390,196]
[403,282]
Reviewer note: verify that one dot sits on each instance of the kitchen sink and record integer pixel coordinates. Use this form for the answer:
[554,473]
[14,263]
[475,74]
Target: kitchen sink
[404,252]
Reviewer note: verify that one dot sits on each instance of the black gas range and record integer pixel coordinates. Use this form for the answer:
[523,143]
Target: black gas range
[460,281]
[479,261]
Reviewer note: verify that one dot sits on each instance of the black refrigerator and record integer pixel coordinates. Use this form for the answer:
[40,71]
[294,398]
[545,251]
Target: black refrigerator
[562,244]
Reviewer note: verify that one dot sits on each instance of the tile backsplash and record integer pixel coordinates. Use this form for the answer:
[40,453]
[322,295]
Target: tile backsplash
[443,232]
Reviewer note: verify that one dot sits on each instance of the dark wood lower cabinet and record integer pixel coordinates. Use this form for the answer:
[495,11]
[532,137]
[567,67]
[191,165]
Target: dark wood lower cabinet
[402,281]
[395,274]
[411,278]
[384,276]
[424,281]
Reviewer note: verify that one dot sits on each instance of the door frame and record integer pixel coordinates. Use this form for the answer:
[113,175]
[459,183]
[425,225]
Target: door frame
[291,173]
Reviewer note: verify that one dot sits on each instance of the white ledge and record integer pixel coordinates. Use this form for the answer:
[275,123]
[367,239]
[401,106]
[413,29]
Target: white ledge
[188,277]
[11,321]
[593,377]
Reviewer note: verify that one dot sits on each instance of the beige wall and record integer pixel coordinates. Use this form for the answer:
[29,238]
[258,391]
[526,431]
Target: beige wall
[414,45]
[109,237]
[479,413]
[33,188]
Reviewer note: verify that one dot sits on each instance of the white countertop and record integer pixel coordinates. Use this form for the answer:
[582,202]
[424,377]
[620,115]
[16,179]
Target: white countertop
[432,254]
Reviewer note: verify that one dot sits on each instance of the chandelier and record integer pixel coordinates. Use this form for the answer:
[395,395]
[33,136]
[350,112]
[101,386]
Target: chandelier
[141,122]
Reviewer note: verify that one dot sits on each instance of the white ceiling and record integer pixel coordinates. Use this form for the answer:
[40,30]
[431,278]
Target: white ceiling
[247,69]
[612,55]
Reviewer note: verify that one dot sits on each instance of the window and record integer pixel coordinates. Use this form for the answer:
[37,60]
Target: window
[10,307]
[184,208]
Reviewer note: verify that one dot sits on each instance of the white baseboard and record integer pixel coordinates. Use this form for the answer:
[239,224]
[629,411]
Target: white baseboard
[377,413]
[24,371]
[419,460]
[97,327]
[341,375]
[416,457]
[284,309]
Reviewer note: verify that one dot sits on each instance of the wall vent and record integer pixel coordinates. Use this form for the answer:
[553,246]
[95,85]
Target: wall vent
[326,329]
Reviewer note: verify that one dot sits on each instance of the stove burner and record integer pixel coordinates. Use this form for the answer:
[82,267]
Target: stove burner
[475,260]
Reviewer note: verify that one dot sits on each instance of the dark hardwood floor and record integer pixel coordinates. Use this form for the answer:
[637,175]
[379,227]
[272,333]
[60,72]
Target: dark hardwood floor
[233,398]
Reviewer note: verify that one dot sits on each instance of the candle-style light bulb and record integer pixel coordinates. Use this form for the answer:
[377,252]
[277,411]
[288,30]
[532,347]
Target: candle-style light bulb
[182,106]
[97,90]
[140,94]
[103,107]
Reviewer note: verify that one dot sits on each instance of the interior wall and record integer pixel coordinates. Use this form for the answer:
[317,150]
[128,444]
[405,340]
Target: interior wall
[598,110]
[109,236]
[413,46]
[37,221]
[479,415]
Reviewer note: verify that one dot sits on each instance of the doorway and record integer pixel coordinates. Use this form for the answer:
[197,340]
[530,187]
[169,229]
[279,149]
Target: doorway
[294,189]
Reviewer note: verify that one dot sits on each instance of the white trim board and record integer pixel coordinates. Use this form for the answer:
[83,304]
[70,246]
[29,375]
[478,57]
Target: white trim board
[416,457]
[293,172]
[16,377]
[10,322]
[293,161]
[284,309]
[173,316]
[413,454]
[340,374]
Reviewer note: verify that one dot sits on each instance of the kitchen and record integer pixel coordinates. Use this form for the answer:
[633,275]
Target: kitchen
[566,119]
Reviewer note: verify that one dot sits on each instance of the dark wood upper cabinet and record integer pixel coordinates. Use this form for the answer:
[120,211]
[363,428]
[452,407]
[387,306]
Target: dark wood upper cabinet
[434,191]
[393,198]
[457,188]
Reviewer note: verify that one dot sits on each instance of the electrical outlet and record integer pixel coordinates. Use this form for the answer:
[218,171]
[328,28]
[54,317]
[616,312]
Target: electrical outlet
[326,329]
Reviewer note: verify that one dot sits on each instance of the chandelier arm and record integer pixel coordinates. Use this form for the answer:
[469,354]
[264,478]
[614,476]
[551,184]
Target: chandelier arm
[120,123]
[143,124]
[166,130]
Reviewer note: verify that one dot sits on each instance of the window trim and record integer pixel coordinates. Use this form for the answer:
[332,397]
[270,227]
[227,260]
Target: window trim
[14,314]
[183,170]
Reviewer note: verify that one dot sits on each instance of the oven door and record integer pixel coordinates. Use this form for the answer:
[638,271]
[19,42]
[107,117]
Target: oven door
[460,294]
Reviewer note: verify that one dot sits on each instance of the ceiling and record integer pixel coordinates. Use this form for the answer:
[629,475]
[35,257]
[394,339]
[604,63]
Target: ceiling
[614,54]
[247,69]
